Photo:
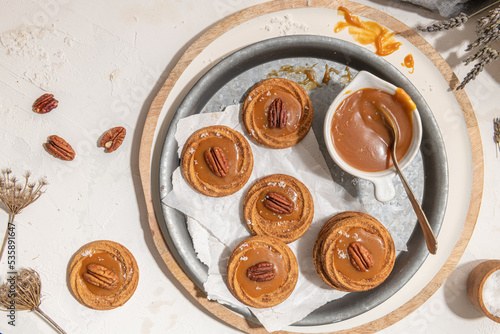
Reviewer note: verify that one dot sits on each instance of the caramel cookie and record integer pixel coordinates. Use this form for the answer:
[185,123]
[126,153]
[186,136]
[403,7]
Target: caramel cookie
[277,113]
[217,161]
[262,271]
[353,252]
[278,205]
[103,275]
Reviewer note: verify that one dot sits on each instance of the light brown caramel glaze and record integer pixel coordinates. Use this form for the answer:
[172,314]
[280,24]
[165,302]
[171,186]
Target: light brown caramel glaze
[256,107]
[258,249]
[331,258]
[286,227]
[368,32]
[115,257]
[360,134]
[409,63]
[237,151]
[256,255]
[110,262]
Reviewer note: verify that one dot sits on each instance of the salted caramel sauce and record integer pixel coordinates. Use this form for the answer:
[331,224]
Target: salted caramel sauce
[360,135]
[368,32]
[256,255]
[271,215]
[372,242]
[110,262]
[328,74]
[409,63]
[232,154]
[261,112]
[310,81]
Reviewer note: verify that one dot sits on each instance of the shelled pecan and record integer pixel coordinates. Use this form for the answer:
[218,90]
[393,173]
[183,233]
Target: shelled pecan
[261,272]
[217,161]
[45,103]
[360,257]
[278,115]
[278,203]
[112,139]
[59,148]
[100,276]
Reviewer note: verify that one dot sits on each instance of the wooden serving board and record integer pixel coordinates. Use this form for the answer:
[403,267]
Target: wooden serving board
[153,117]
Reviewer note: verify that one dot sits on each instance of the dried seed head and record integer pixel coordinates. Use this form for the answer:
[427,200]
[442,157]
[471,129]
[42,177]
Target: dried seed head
[17,196]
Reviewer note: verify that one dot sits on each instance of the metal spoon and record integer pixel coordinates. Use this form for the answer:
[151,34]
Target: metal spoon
[430,238]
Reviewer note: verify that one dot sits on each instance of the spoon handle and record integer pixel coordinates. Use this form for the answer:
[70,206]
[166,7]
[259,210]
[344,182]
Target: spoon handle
[430,238]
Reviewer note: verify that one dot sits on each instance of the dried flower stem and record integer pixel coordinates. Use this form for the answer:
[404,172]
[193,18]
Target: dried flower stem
[17,196]
[52,322]
[27,295]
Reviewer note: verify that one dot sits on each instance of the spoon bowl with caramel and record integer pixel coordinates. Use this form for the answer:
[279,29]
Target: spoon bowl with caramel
[357,136]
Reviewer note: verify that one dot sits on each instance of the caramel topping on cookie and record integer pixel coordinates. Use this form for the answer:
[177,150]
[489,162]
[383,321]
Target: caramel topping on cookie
[278,205]
[277,113]
[266,110]
[371,242]
[103,275]
[282,211]
[250,261]
[217,161]
[221,165]
[101,282]
[262,271]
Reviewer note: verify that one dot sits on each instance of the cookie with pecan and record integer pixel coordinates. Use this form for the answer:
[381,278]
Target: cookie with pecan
[278,205]
[217,161]
[262,272]
[103,275]
[353,252]
[277,113]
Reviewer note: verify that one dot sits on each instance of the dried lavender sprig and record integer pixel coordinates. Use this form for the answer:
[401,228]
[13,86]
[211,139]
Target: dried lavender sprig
[477,55]
[486,37]
[496,133]
[454,22]
[489,19]
[478,68]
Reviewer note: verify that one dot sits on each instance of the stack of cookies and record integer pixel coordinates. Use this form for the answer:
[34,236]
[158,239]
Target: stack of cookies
[353,252]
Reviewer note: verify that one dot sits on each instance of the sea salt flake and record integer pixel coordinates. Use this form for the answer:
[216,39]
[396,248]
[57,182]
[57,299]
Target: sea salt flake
[87,253]
[491,293]
[191,150]
[243,258]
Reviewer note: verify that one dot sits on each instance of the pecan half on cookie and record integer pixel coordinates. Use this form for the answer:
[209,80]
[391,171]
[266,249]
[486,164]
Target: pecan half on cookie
[278,115]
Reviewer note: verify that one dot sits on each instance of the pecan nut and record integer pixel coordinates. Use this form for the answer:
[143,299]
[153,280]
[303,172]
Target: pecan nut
[360,257]
[261,272]
[278,115]
[45,103]
[112,139]
[217,161]
[59,148]
[278,203]
[101,276]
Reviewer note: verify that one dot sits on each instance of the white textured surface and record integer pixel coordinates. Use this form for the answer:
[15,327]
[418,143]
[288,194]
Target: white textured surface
[105,61]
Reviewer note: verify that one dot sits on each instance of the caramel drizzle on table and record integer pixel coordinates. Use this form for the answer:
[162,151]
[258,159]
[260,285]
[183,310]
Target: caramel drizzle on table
[368,32]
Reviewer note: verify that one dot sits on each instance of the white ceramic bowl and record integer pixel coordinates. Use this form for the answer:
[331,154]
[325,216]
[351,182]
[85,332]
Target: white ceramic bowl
[382,180]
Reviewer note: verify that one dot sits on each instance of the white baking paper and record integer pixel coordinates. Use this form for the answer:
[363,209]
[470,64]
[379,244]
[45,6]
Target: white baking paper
[216,224]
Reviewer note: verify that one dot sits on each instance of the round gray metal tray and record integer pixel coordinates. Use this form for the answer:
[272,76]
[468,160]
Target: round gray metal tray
[227,82]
